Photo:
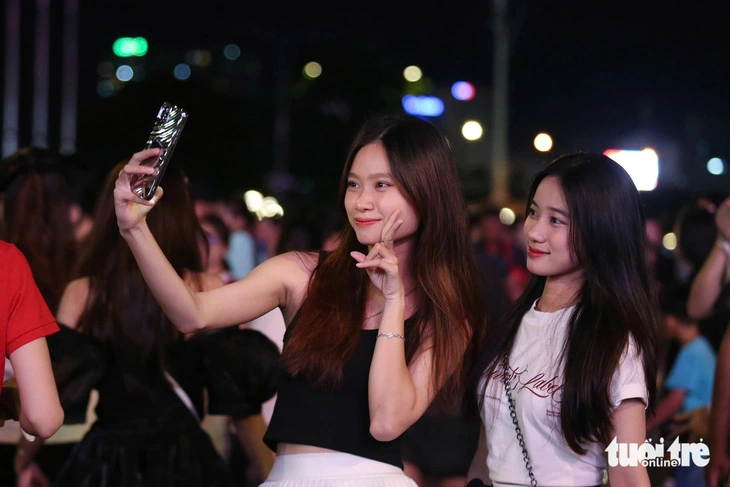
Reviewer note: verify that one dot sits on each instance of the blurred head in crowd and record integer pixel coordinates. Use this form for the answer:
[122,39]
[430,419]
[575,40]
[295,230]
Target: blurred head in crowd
[84,184]
[36,217]
[216,234]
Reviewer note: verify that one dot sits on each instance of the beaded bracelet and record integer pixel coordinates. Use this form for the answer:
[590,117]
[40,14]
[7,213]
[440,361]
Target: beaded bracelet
[392,335]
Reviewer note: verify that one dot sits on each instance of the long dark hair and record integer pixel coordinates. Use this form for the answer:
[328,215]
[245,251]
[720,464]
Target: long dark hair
[328,326]
[36,218]
[121,311]
[615,300]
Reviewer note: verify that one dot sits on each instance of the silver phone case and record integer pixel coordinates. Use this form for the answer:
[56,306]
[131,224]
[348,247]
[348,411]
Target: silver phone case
[165,133]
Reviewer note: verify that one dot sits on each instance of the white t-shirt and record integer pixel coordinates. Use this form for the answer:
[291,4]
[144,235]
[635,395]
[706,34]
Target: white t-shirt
[537,382]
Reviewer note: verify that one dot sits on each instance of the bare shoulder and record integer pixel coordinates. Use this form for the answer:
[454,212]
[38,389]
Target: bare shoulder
[292,265]
[306,261]
[73,302]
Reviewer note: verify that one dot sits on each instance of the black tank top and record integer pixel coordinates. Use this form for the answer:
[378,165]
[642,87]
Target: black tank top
[334,419]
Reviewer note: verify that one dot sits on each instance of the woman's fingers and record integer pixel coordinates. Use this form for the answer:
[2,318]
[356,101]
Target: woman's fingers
[377,256]
[358,256]
[145,156]
[129,172]
[377,264]
[391,225]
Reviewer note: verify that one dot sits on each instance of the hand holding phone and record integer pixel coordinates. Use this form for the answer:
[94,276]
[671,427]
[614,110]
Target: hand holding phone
[165,133]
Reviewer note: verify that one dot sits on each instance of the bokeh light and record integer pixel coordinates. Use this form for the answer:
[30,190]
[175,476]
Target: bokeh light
[669,241]
[543,142]
[463,90]
[312,70]
[425,106]
[125,73]
[507,216]
[232,52]
[130,46]
[716,166]
[182,71]
[412,73]
[262,206]
[254,200]
[642,166]
[105,88]
[472,130]
[198,57]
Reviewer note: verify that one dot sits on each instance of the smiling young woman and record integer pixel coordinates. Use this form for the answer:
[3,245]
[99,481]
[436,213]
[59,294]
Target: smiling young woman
[376,328]
[573,364]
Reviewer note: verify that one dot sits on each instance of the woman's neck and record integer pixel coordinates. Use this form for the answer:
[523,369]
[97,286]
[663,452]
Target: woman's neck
[560,293]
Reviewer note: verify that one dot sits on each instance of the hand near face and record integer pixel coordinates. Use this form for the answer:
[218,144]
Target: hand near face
[381,263]
[130,208]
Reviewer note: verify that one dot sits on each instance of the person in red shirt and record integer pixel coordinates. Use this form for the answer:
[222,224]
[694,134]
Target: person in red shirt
[25,321]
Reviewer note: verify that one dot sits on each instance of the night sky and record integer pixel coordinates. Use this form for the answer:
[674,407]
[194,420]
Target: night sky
[594,75]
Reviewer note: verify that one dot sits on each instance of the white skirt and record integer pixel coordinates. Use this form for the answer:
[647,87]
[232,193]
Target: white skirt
[334,470]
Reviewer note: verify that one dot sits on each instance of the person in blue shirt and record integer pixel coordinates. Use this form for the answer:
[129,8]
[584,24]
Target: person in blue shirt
[241,255]
[690,380]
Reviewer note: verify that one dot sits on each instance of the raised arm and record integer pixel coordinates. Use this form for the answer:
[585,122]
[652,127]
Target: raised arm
[708,283]
[398,394]
[280,281]
[712,276]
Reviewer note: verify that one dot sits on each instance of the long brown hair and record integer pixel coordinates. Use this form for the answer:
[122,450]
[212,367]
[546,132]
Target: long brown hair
[328,326]
[36,218]
[121,311]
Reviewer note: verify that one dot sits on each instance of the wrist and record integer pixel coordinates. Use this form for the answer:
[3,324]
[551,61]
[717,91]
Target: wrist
[723,243]
[133,232]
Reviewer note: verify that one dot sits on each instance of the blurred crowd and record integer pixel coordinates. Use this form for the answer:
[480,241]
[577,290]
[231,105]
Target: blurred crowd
[53,211]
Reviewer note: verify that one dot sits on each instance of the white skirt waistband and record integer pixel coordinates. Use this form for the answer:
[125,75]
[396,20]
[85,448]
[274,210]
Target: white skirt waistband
[334,470]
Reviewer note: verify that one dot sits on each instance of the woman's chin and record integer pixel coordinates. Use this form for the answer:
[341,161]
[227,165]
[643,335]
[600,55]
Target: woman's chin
[367,241]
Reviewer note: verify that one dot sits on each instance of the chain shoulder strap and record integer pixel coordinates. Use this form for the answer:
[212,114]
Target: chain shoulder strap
[513,415]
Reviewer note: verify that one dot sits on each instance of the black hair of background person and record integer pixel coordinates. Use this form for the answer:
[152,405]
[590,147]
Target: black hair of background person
[673,301]
[84,182]
[36,217]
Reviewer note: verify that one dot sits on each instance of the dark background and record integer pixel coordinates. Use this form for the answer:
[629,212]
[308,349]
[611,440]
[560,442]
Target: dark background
[595,75]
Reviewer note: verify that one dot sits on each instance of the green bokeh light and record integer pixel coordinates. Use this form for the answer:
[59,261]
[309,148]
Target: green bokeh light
[130,46]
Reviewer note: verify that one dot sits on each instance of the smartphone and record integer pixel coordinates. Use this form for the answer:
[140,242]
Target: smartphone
[165,133]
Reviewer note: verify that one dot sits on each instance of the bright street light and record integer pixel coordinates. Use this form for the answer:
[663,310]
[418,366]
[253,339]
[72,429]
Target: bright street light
[472,130]
[642,166]
[543,142]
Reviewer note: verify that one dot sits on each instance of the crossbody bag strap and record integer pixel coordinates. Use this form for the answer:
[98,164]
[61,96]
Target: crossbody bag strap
[182,395]
[513,415]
